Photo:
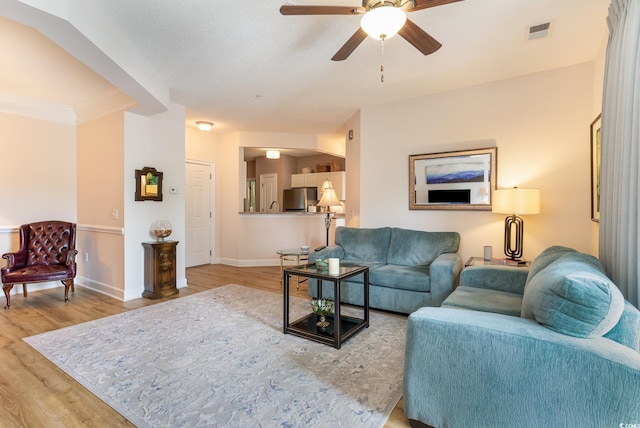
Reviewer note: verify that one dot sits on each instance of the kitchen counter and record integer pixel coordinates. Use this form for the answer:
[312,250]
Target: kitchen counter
[292,213]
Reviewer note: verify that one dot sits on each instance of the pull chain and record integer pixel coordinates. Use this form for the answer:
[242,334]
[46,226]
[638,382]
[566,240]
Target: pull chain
[382,57]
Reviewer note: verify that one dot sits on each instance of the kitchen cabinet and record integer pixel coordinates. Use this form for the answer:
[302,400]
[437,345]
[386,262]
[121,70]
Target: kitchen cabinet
[304,180]
[337,179]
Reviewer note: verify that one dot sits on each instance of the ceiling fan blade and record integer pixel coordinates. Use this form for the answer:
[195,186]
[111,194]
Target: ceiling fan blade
[425,4]
[419,38]
[350,46]
[320,10]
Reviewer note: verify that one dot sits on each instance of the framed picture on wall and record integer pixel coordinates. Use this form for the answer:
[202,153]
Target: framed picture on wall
[462,180]
[596,151]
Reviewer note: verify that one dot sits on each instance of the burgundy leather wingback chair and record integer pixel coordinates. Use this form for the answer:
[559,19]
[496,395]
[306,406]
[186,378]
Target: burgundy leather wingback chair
[47,253]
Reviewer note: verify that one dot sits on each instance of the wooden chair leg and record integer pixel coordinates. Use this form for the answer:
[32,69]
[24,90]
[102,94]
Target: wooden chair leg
[24,290]
[7,290]
[68,283]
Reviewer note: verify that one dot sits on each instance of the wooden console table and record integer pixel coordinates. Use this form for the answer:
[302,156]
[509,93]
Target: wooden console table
[159,269]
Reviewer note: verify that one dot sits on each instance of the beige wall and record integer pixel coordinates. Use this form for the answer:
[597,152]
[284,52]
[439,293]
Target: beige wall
[354,170]
[101,198]
[540,124]
[101,171]
[598,87]
[38,170]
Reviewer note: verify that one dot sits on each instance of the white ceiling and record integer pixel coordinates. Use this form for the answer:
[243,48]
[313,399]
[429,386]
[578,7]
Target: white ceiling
[244,66]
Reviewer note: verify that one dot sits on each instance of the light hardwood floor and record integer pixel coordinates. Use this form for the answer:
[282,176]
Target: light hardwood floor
[35,393]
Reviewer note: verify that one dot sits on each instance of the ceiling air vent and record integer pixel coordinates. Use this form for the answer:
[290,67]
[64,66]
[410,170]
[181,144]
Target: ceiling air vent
[539,31]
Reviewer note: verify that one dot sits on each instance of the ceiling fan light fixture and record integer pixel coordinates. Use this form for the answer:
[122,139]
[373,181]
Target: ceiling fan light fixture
[383,22]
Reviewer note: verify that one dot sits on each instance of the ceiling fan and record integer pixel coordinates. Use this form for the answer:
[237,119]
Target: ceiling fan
[381,19]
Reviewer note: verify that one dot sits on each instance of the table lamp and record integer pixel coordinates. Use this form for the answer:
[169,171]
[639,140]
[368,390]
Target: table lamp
[514,202]
[329,199]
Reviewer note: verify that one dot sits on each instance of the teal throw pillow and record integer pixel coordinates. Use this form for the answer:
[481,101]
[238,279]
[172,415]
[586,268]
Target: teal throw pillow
[573,296]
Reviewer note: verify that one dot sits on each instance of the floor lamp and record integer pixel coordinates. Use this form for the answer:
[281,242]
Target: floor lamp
[514,202]
[329,199]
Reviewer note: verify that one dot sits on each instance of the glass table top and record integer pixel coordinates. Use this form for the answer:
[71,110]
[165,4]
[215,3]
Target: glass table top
[311,268]
[292,252]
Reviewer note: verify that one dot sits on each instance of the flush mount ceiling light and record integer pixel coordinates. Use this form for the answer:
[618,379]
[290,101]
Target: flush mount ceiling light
[273,154]
[204,126]
[383,22]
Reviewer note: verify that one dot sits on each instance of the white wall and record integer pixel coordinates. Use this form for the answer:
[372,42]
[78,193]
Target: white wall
[540,124]
[159,142]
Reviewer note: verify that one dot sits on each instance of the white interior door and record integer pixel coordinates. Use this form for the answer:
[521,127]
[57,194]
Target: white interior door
[199,214]
[268,192]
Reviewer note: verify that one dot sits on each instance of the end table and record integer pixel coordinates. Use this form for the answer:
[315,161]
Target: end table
[480,261]
[159,269]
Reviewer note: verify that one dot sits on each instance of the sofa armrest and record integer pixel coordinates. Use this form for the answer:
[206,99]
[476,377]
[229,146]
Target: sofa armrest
[502,278]
[463,366]
[444,274]
[330,251]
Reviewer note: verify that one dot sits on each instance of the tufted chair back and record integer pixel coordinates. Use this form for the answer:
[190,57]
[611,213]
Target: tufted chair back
[47,243]
[47,253]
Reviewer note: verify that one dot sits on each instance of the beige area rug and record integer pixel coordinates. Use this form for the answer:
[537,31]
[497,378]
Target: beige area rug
[219,359]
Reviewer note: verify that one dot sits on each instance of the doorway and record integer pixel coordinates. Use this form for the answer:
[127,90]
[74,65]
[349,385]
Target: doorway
[199,213]
[269,192]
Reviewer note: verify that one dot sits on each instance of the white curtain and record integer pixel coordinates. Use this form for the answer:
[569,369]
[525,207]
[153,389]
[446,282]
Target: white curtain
[620,180]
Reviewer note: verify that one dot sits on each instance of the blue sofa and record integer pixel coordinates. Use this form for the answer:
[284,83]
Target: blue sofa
[552,346]
[408,269]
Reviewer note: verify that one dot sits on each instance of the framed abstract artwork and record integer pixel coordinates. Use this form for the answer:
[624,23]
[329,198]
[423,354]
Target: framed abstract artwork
[461,180]
[596,151]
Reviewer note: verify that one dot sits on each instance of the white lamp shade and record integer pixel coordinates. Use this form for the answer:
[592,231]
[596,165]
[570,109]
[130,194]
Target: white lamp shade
[383,22]
[273,154]
[516,201]
[329,198]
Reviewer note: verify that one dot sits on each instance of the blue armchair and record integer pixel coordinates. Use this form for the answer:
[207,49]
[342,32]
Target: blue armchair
[569,357]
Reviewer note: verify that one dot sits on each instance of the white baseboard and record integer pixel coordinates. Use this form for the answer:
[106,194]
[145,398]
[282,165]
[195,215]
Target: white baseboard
[106,289]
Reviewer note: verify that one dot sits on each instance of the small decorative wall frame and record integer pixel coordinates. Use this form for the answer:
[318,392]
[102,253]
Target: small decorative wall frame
[461,180]
[596,151]
[148,184]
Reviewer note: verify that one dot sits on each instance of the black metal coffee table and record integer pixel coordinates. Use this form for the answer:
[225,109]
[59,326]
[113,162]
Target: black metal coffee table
[341,327]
